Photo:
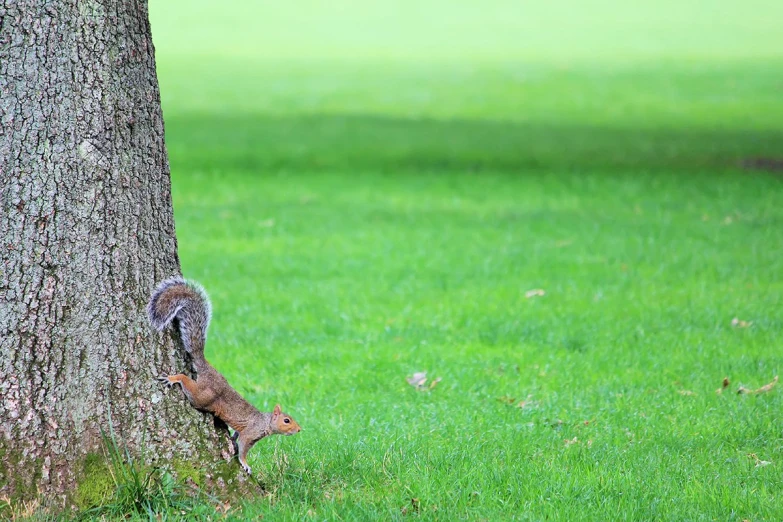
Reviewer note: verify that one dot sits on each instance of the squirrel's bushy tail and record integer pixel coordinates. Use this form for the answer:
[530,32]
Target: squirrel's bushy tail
[187,302]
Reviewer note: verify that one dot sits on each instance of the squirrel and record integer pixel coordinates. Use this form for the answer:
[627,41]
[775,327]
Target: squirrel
[188,303]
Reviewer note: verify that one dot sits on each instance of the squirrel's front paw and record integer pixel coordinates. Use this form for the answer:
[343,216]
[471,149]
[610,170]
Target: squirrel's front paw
[165,380]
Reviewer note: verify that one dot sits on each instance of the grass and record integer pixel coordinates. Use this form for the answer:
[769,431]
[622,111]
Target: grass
[369,191]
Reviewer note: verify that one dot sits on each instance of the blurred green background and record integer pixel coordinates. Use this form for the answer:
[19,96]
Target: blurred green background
[370,189]
[503,84]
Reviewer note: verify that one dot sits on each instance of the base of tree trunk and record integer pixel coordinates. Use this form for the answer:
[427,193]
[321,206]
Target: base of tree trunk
[210,470]
[87,231]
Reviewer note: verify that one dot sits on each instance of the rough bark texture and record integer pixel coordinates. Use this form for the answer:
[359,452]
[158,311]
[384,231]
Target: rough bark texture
[87,230]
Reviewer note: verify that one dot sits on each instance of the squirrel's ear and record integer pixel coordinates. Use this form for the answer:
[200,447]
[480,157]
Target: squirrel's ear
[277,410]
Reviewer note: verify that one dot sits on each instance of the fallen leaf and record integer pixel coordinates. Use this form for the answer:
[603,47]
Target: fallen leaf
[536,292]
[759,463]
[763,389]
[507,399]
[769,386]
[686,393]
[739,323]
[569,442]
[417,379]
[726,383]
[414,507]
[527,403]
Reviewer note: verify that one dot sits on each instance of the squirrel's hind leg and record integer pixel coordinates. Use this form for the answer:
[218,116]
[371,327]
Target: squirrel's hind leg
[243,446]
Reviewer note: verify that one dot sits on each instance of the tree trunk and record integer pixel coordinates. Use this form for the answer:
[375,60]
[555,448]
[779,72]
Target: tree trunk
[87,230]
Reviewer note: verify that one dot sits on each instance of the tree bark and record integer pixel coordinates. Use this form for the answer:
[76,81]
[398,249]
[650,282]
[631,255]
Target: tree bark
[87,229]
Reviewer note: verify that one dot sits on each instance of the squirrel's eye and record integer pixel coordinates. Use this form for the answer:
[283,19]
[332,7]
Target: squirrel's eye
[287,421]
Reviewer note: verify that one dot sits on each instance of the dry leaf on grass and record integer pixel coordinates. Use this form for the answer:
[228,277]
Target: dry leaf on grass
[726,383]
[764,389]
[768,387]
[739,323]
[575,440]
[527,403]
[686,393]
[413,509]
[419,379]
[223,507]
[536,292]
[759,463]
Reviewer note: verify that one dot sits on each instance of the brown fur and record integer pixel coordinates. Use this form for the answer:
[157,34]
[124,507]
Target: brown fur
[178,299]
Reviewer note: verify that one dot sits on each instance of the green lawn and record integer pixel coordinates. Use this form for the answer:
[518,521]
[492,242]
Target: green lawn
[368,190]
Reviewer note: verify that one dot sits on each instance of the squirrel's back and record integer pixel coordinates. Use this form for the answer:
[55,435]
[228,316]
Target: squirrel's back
[187,302]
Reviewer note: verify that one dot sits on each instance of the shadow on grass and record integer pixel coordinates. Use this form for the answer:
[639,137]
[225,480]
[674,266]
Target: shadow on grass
[336,142]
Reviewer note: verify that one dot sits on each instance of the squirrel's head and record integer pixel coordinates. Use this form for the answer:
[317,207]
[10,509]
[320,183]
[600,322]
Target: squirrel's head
[283,424]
